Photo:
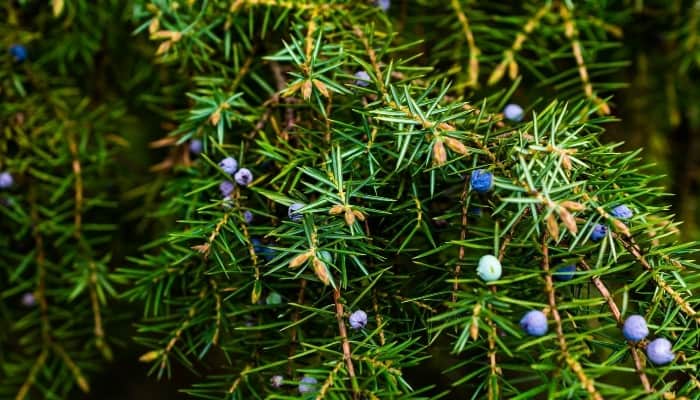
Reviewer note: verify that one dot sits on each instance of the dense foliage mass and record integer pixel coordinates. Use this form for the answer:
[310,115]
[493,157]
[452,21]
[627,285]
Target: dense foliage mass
[345,191]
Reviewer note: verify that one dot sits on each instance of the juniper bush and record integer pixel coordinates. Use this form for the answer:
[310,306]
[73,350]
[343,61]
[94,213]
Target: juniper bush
[389,126]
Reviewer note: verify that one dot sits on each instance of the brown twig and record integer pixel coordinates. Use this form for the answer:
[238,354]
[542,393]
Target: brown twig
[417,303]
[294,334]
[375,303]
[598,283]
[217,298]
[236,195]
[573,364]
[462,237]
[378,318]
[237,382]
[242,72]
[372,58]
[572,34]
[345,343]
[493,330]
[493,365]
[24,389]
[205,248]
[40,259]
[77,171]
[328,383]
[509,54]
[97,316]
[41,268]
[474,51]
[73,367]
[281,85]
[191,312]
[509,236]
[629,244]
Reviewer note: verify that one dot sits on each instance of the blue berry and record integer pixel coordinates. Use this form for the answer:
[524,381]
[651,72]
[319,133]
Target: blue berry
[18,52]
[599,232]
[229,165]
[358,319]
[28,299]
[273,298]
[481,181]
[293,214]
[307,384]
[513,112]
[534,323]
[262,250]
[257,245]
[565,273]
[196,146]
[659,351]
[635,328]
[244,177]
[6,180]
[622,212]
[475,211]
[489,268]
[226,188]
[247,216]
[277,381]
[383,4]
[362,78]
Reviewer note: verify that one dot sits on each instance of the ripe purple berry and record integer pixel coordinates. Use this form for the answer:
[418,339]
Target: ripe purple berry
[196,146]
[307,385]
[513,112]
[362,78]
[293,214]
[277,381]
[247,216]
[28,299]
[622,212]
[635,328]
[481,181]
[534,323]
[18,52]
[358,319]
[599,232]
[659,351]
[565,273]
[229,165]
[6,180]
[383,5]
[226,188]
[244,177]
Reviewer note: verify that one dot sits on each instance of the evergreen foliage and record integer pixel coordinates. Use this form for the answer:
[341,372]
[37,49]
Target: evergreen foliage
[380,171]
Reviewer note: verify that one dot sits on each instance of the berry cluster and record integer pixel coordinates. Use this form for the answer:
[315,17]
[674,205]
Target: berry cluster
[229,165]
[534,322]
[658,350]
[309,384]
